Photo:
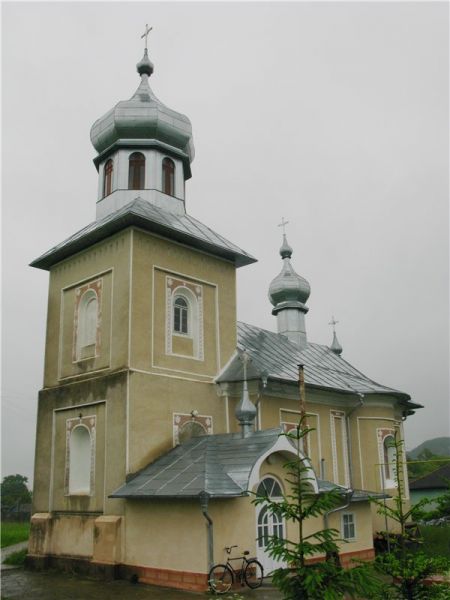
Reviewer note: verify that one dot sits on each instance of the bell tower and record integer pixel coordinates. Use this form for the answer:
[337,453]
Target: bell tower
[145,150]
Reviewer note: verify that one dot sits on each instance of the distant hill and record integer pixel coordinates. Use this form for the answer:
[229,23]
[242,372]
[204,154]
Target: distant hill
[439,446]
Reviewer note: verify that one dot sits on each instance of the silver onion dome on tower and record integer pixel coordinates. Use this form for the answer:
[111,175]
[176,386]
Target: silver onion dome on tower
[288,293]
[144,120]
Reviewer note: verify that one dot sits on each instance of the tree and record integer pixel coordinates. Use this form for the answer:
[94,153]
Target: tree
[14,490]
[407,567]
[325,580]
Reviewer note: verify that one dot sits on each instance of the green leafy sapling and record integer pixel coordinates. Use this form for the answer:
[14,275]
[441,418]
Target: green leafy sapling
[302,579]
[407,567]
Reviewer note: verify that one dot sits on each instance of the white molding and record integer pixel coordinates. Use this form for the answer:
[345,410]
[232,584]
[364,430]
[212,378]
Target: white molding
[227,413]
[130,297]
[85,280]
[52,464]
[348,512]
[191,278]
[105,453]
[55,410]
[337,414]
[282,444]
[218,353]
[144,372]
[127,425]
[318,432]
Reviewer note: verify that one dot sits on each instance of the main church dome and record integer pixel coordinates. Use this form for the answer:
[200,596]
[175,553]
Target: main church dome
[145,119]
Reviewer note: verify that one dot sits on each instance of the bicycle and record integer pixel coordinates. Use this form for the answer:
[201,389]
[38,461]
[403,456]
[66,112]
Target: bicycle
[221,577]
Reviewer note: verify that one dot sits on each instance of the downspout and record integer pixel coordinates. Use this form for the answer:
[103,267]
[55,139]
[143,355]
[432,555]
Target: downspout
[204,498]
[349,438]
[349,496]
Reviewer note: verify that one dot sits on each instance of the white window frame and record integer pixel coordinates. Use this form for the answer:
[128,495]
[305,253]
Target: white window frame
[191,320]
[193,294]
[345,523]
[89,424]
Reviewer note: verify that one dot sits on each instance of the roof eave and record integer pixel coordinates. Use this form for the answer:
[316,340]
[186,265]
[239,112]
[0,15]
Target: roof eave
[129,219]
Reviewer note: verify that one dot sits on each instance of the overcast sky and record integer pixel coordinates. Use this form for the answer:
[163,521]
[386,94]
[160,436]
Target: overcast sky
[334,116]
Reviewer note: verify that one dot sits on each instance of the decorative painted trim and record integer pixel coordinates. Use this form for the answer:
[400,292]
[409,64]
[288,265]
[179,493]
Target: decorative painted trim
[382,434]
[290,423]
[96,286]
[180,419]
[334,415]
[89,422]
[194,291]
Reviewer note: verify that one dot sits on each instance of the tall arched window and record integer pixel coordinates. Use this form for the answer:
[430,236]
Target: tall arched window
[136,171]
[181,315]
[168,176]
[87,324]
[107,179]
[80,461]
[390,456]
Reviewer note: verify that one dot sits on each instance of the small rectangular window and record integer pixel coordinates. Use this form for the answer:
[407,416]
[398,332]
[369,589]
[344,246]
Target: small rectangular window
[348,526]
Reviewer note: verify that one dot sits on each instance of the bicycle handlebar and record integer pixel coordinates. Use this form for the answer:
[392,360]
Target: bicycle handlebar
[230,548]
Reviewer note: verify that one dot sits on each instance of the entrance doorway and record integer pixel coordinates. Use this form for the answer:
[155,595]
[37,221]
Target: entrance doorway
[268,524]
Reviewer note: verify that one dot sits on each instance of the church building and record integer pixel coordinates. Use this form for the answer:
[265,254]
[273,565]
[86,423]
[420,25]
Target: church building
[160,413]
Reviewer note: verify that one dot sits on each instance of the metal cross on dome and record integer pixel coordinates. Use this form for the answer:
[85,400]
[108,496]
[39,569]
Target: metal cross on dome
[333,322]
[145,34]
[283,225]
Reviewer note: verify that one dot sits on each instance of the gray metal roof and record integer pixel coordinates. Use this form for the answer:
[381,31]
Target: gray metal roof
[274,355]
[144,116]
[217,464]
[140,213]
[357,496]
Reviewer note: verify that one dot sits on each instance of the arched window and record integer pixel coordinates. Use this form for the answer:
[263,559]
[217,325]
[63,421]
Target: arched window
[389,458]
[269,487]
[87,324]
[80,461]
[107,179]
[168,176]
[189,430]
[181,315]
[136,171]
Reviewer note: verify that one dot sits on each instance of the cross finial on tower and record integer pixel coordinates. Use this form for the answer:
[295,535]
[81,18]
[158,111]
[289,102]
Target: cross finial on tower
[333,322]
[283,225]
[145,34]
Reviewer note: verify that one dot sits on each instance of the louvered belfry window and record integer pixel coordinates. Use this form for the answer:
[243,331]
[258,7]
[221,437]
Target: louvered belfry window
[168,182]
[180,315]
[136,171]
[107,182]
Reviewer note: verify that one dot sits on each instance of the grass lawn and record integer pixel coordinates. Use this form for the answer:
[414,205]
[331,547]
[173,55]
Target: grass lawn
[436,540]
[13,533]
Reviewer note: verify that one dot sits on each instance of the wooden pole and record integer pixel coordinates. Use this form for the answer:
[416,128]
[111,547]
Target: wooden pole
[301,386]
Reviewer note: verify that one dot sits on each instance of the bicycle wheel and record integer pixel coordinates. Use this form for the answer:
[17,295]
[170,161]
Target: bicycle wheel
[220,579]
[253,574]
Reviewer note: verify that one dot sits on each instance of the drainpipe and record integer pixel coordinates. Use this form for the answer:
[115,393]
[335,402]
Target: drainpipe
[348,496]
[204,498]
[349,437]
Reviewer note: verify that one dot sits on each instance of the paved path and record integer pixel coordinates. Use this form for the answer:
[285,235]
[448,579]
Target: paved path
[19,584]
[10,550]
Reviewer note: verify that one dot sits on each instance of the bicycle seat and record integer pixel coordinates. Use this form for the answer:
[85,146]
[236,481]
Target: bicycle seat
[246,552]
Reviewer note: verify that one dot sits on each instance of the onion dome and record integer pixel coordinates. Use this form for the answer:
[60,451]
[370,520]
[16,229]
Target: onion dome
[144,117]
[288,286]
[335,345]
[245,410]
